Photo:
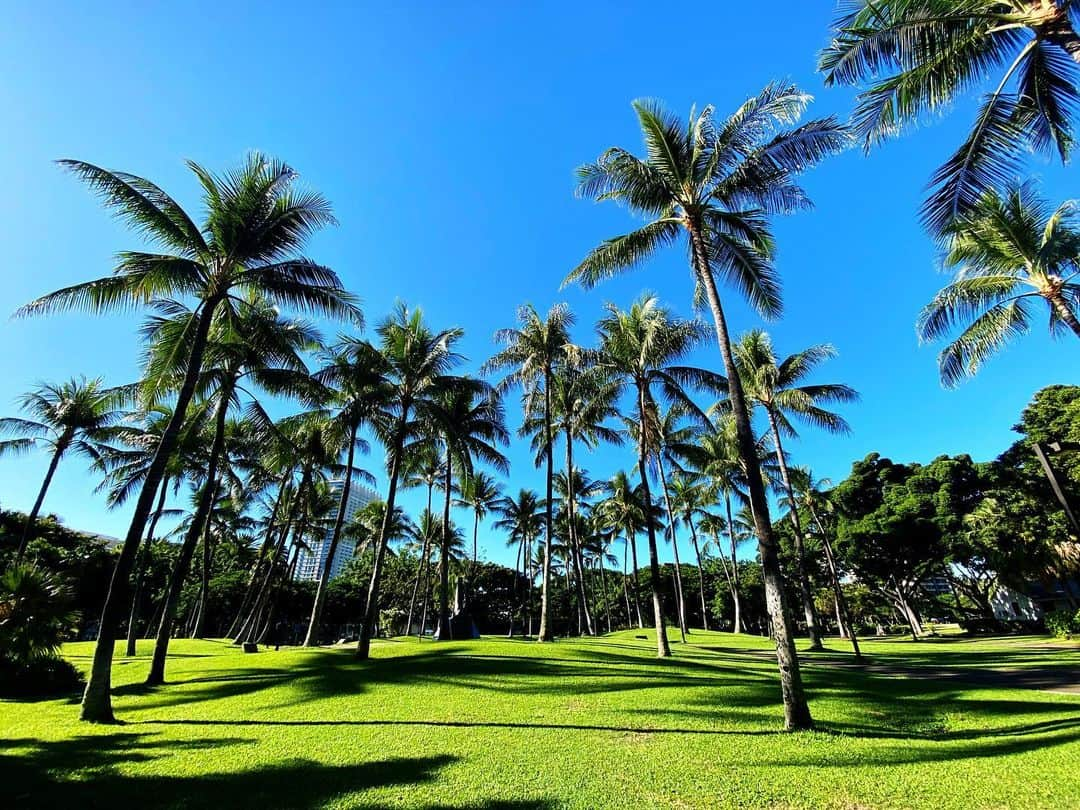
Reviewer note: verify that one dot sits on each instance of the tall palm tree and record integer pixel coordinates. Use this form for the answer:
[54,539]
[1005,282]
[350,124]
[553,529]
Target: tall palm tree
[256,222]
[641,347]
[418,364]
[479,492]
[532,352]
[912,58]
[423,467]
[471,420]
[779,387]
[811,494]
[354,383]
[718,183]
[623,510]
[1008,252]
[690,499]
[72,416]
[522,520]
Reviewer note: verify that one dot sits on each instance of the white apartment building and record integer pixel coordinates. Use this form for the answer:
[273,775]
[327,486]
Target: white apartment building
[309,565]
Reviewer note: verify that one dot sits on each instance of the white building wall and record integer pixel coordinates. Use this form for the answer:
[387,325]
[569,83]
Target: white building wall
[309,565]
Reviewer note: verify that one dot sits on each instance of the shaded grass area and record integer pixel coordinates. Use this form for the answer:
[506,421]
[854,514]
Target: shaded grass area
[497,723]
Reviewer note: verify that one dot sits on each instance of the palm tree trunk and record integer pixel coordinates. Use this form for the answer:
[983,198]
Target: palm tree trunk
[31,519]
[97,699]
[736,596]
[575,542]
[256,569]
[445,633]
[371,606]
[546,633]
[626,592]
[312,637]
[631,539]
[1063,311]
[796,709]
[420,566]
[679,598]
[842,614]
[200,519]
[604,590]
[199,629]
[144,565]
[800,543]
[700,570]
[663,649]
[514,592]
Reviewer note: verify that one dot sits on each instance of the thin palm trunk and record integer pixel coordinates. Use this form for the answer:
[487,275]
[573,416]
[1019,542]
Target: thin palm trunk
[312,637]
[736,596]
[631,539]
[31,519]
[679,599]
[700,570]
[842,614]
[371,607]
[625,590]
[604,591]
[796,709]
[800,543]
[421,564]
[546,633]
[97,699]
[445,633]
[140,575]
[663,649]
[199,628]
[264,549]
[514,592]
[575,544]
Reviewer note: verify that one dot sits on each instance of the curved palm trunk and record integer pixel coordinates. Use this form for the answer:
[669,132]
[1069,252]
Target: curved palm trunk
[546,632]
[663,649]
[631,540]
[97,699]
[199,628]
[842,614]
[800,543]
[31,519]
[736,596]
[445,633]
[256,569]
[199,520]
[796,709]
[514,592]
[311,639]
[371,607]
[144,565]
[679,598]
[604,590]
[700,570]
[575,543]
[421,565]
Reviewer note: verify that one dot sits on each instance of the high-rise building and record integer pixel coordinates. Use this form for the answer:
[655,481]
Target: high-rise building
[309,566]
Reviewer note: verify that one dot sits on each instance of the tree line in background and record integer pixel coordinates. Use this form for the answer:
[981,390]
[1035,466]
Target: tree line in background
[193,435]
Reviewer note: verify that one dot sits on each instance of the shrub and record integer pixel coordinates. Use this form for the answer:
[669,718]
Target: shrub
[42,677]
[1063,623]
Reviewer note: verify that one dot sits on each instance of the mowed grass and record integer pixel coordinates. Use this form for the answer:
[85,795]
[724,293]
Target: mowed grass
[598,723]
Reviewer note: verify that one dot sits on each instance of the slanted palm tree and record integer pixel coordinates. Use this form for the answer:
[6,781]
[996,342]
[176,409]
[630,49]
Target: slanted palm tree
[418,364]
[522,520]
[256,222]
[72,416]
[811,494]
[354,382]
[1009,252]
[690,500]
[718,182]
[641,347]
[912,58]
[471,421]
[781,390]
[532,353]
[479,492]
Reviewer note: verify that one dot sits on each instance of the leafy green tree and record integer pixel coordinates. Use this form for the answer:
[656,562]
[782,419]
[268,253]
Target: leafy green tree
[913,58]
[256,222]
[718,182]
[1009,252]
[72,416]
[532,352]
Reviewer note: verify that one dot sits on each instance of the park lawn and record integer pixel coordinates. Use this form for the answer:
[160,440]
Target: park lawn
[597,723]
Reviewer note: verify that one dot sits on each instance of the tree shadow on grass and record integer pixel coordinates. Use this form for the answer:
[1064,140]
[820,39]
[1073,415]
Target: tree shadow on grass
[85,772]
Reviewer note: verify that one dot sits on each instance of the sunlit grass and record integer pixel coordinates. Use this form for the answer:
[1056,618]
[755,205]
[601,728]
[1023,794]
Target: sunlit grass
[498,723]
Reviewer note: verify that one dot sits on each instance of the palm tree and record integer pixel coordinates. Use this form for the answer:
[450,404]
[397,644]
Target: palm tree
[418,363]
[256,222]
[779,388]
[641,347]
[532,352]
[75,415]
[912,58]
[623,510]
[471,420]
[689,497]
[423,467]
[520,517]
[479,492]
[811,494]
[1008,252]
[353,377]
[718,183]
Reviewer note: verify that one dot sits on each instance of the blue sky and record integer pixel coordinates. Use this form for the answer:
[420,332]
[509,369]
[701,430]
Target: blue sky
[446,135]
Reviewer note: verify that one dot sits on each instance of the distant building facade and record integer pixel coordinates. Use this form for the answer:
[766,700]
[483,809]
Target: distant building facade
[309,565]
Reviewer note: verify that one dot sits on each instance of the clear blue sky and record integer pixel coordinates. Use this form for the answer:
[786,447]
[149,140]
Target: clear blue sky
[446,135]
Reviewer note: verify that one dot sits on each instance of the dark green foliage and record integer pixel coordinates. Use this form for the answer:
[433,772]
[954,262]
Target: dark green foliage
[1063,623]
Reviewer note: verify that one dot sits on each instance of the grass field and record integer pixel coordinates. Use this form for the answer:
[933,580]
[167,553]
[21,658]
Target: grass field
[948,723]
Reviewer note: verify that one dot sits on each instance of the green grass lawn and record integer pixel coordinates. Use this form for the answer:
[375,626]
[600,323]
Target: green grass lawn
[598,723]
